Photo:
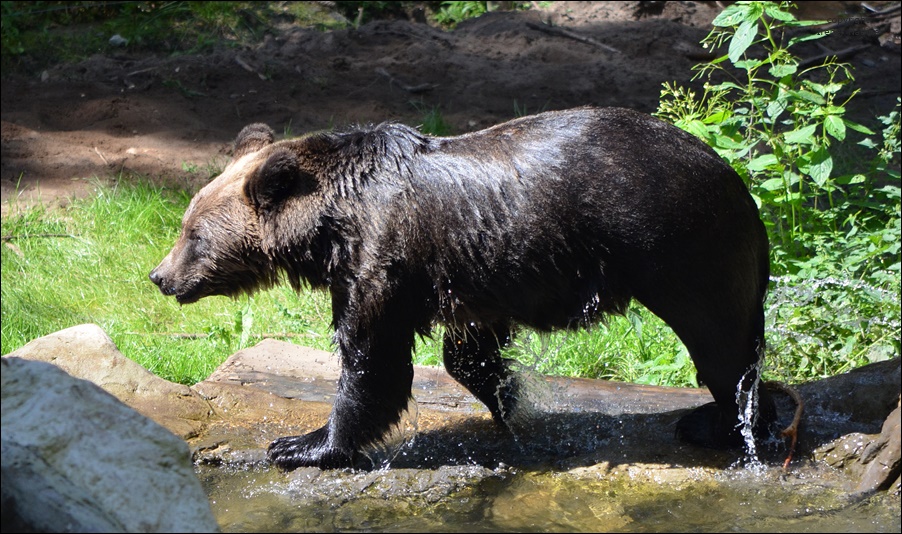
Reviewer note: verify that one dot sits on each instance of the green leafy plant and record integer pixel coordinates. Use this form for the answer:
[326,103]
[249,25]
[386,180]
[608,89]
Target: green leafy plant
[453,13]
[358,13]
[43,33]
[433,122]
[780,122]
[769,117]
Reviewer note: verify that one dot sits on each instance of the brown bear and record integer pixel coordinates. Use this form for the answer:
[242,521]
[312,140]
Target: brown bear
[549,221]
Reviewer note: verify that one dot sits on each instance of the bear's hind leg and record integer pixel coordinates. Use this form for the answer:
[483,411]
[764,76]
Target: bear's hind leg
[720,424]
[728,363]
[472,356]
[721,321]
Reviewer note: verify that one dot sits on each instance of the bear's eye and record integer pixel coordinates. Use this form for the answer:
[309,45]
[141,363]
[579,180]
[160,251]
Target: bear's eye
[199,243]
[197,238]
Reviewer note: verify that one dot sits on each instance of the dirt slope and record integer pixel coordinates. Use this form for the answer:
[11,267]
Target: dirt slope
[173,118]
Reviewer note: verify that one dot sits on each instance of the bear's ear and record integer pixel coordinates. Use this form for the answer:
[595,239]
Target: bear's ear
[317,144]
[279,178]
[252,138]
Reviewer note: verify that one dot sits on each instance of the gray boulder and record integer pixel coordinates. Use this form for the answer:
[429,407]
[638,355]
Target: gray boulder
[76,459]
[86,351]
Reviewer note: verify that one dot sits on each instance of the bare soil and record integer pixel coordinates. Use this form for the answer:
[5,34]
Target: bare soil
[172,119]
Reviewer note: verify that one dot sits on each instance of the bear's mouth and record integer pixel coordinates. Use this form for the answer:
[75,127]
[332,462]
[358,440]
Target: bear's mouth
[190,293]
[189,297]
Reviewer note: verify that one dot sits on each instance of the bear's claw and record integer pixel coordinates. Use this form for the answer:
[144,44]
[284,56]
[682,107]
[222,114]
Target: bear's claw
[310,450]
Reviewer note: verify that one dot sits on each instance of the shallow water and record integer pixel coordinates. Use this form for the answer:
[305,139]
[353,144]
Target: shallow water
[476,499]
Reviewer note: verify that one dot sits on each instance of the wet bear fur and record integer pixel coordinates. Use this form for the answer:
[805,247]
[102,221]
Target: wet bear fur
[549,221]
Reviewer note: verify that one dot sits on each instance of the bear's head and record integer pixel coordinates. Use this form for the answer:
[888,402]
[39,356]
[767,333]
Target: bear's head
[236,229]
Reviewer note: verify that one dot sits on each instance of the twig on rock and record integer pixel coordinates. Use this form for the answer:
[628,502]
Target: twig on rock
[792,431]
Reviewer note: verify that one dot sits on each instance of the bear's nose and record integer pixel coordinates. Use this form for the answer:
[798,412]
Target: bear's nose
[158,279]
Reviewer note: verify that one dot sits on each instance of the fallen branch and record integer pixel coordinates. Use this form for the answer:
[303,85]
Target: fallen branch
[792,431]
[872,20]
[246,66]
[840,55]
[414,89]
[105,162]
[561,32]
[140,71]
[881,12]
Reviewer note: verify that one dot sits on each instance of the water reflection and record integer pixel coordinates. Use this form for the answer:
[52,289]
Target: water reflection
[476,499]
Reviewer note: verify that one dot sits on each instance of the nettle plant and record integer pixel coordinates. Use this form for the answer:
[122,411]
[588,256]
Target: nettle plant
[780,122]
[770,119]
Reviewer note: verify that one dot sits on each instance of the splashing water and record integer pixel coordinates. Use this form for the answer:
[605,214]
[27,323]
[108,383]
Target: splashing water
[463,498]
[830,324]
[533,395]
[748,414]
[401,435]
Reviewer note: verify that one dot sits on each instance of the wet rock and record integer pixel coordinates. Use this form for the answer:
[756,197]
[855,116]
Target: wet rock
[428,486]
[575,422]
[880,459]
[857,401]
[872,460]
[277,388]
[74,458]
[395,500]
[845,451]
[851,422]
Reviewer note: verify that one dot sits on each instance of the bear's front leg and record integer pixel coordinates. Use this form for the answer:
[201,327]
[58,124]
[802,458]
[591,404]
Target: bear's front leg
[373,391]
[472,356]
[310,450]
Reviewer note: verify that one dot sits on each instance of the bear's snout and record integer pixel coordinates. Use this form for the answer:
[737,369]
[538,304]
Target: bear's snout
[160,281]
[173,284]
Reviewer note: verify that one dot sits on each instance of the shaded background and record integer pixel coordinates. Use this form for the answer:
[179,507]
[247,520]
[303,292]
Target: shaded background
[172,117]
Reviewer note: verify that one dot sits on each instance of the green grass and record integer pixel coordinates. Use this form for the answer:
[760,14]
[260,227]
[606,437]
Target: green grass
[638,348]
[88,263]
[433,122]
